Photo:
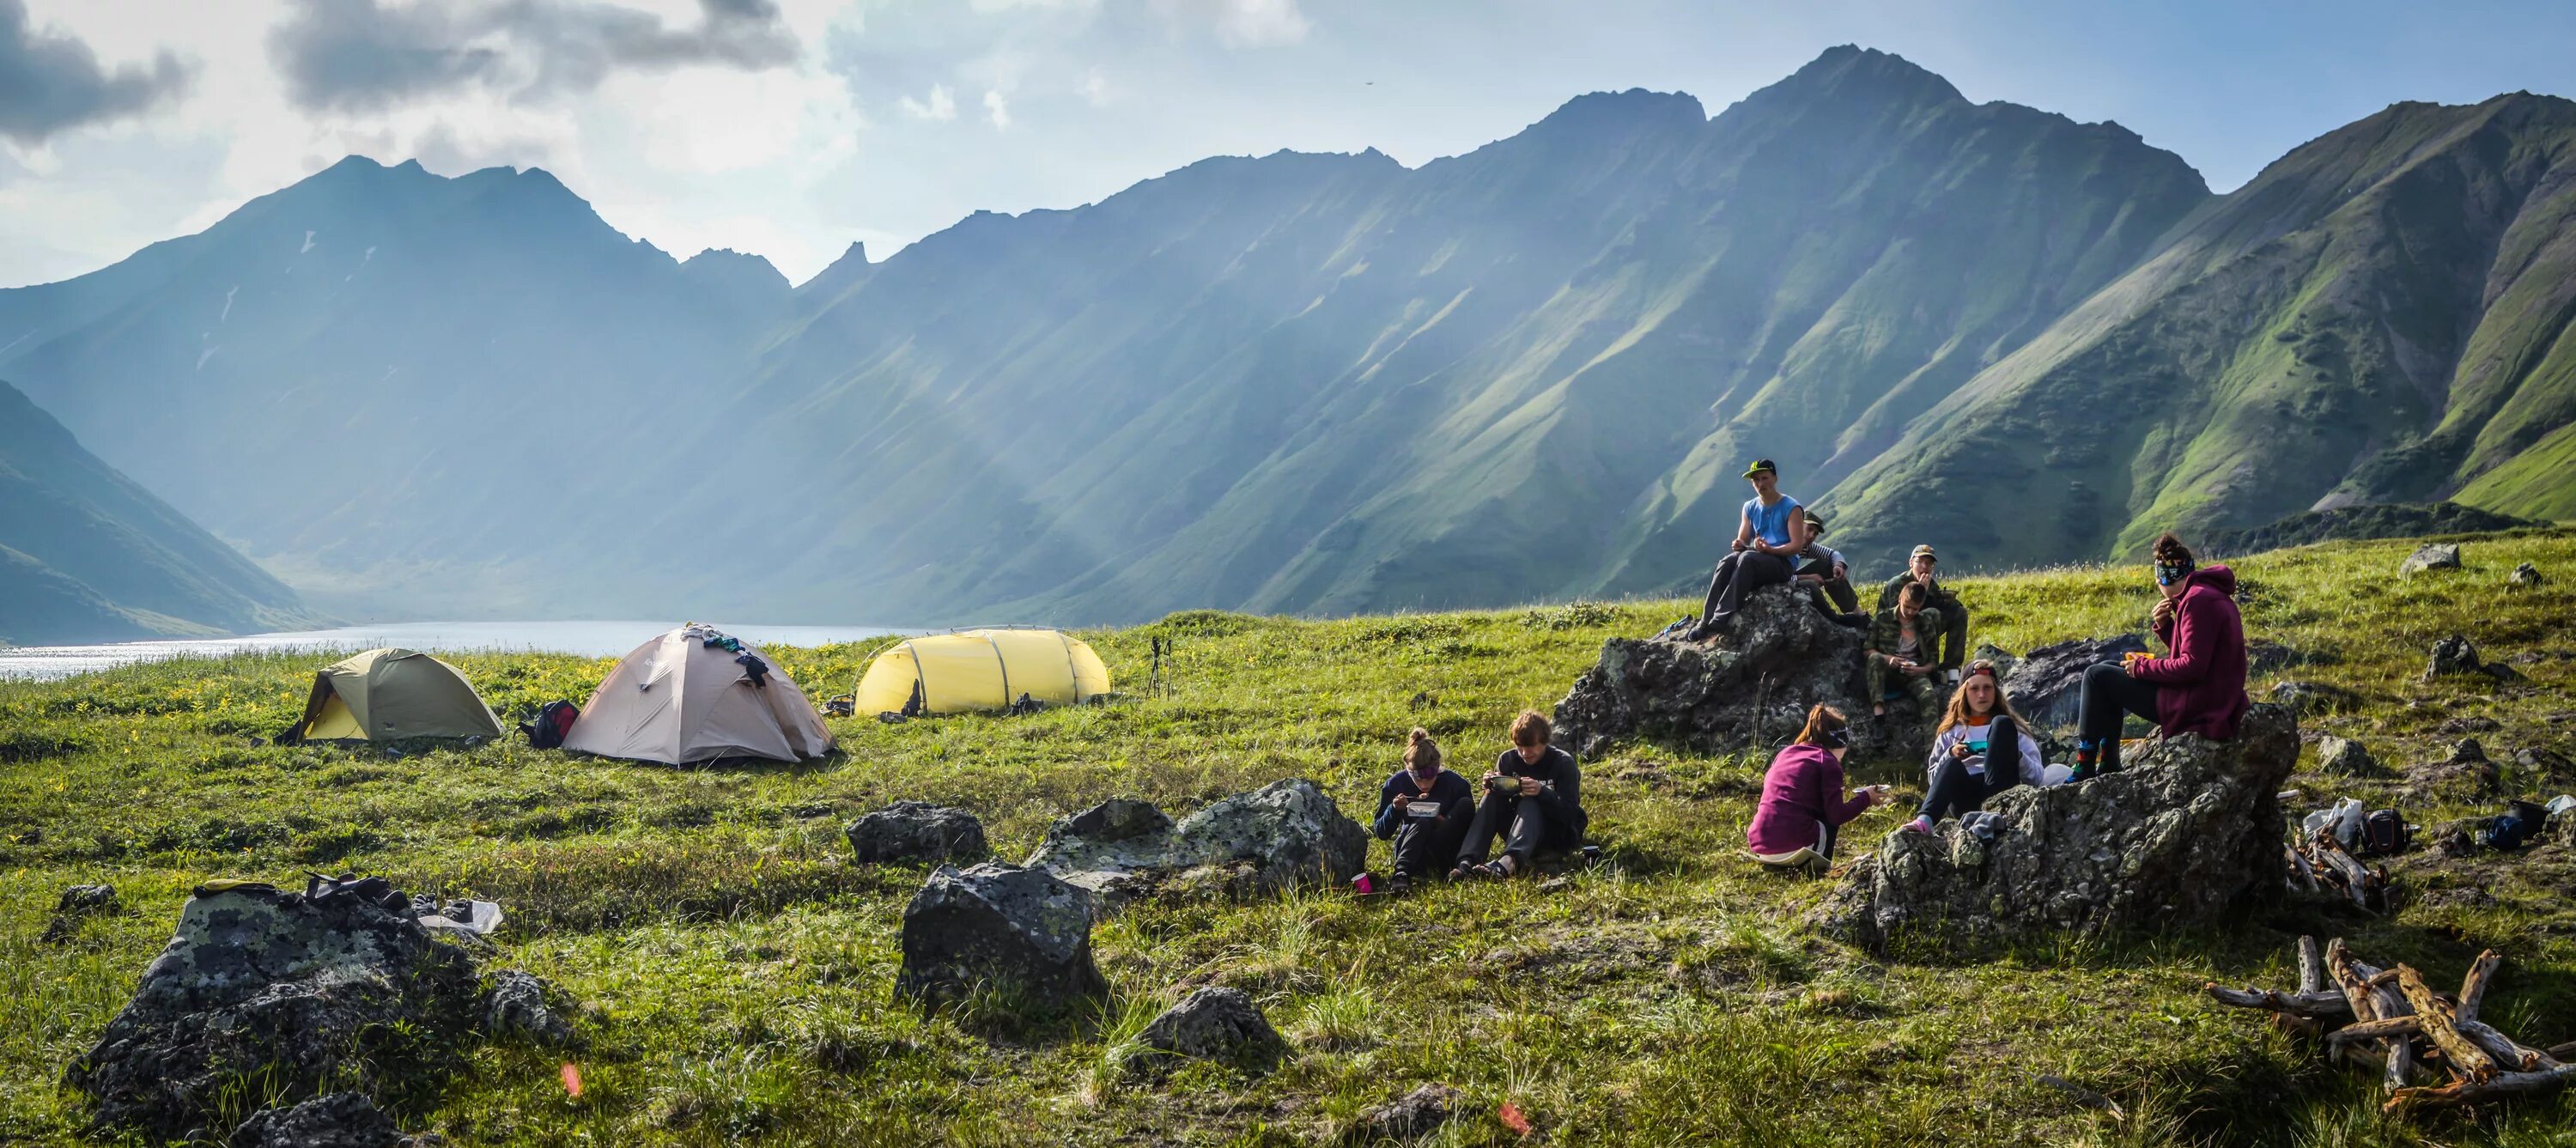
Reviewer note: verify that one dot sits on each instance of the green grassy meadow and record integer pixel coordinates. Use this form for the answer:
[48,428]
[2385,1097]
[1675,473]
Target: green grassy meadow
[735,969]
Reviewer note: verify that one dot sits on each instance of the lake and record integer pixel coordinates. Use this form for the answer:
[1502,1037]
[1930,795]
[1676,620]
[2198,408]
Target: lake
[588,639]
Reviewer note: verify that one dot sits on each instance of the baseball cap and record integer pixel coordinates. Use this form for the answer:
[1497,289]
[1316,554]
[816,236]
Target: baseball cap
[1760,465]
[1924,551]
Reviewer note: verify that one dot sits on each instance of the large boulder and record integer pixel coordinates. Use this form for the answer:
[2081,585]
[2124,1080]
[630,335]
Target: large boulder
[1218,1024]
[2047,684]
[1288,833]
[1000,926]
[2187,834]
[918,831]
[291,990]
[2431,556]
[1749,688]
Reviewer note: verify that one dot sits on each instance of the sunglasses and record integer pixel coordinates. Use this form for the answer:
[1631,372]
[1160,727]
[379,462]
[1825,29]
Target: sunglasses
[2169,573]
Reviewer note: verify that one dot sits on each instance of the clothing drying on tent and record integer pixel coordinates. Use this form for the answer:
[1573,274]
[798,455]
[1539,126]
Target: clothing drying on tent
[387,695]
[981,670]
[698,694]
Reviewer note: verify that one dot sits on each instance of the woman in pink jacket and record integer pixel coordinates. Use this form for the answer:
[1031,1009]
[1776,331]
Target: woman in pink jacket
[2199,689]
[1802,796]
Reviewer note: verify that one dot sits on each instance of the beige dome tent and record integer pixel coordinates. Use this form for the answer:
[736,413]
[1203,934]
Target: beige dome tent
[696,694]
[388,695]
[981,670]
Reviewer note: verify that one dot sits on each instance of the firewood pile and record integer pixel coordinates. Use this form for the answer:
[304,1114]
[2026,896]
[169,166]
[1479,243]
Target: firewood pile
[2391,1021]
[2321,864]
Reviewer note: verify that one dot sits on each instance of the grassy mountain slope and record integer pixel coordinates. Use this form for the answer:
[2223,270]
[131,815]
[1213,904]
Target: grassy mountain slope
[1330,383]
[87,555]
[2378,316]
[735,971]
[372,372]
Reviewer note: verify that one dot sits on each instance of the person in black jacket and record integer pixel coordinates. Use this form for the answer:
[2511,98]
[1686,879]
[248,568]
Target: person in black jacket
[1424,810]
[1536,792]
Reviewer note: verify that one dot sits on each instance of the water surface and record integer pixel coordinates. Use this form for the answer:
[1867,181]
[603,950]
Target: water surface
[588,639]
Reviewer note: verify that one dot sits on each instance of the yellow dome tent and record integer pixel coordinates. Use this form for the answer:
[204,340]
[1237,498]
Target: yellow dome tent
[982,670]
[388,695]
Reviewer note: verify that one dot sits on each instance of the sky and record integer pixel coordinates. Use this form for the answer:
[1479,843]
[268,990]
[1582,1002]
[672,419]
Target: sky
[792,128]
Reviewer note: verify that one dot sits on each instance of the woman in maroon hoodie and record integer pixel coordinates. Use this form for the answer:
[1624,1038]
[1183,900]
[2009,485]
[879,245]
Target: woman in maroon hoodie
[2199,689]
[1802,796]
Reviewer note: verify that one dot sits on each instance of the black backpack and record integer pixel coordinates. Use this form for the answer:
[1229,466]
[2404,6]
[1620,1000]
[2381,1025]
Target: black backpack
[2383,832]
[552,724]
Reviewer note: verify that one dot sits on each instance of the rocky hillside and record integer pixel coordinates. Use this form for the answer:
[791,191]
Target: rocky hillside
[2379,316]
[87,555]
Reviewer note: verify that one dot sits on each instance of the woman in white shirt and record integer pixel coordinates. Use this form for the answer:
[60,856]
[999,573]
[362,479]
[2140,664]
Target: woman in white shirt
[1981,749]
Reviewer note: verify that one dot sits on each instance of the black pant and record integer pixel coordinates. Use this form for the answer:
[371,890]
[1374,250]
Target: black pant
[1844,604]
[2110,695]
[1424,848]
[1955,791]
[1532,828]
[1738,574]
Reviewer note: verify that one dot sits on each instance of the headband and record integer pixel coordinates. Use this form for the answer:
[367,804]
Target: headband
[1988,671]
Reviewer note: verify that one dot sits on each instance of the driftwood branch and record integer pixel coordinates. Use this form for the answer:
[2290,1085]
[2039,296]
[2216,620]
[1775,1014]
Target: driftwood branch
[2473,987]
[2463,1054]
[2496,1087]
[2312,967]
[2321,1005]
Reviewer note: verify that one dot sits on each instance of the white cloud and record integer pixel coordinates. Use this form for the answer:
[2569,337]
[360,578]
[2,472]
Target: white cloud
[1243,23]
[996,108]
[940,106]
[1095,88]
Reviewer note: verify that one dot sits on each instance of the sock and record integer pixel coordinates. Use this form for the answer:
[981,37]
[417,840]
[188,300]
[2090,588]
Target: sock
[2087,751]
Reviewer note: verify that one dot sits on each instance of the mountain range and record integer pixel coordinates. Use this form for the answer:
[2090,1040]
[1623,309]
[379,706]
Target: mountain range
[88,555]
[1333,383]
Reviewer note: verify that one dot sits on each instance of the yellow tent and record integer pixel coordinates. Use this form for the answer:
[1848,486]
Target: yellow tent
[982,670]
[385,695]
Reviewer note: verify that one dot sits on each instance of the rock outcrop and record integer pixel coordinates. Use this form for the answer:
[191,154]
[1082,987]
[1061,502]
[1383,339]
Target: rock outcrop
[2188,833]
[1218,1024]
[2431,556]
[2046,685]
[339,1120]
[1285,834]
[918,831]
[2347,757]
[516,1006]
[1416,1114]
[1747,689]
[2525,574]
[2308,699]
[77,904]
[1002,926]
[260,983]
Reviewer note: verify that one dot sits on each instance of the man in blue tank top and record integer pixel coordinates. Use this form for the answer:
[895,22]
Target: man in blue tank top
[1770,535]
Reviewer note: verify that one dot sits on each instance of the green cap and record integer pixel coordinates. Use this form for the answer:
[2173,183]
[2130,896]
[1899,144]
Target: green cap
[1760,465]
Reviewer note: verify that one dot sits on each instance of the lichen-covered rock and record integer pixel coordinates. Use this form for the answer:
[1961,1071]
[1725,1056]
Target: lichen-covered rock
[259,983]
[2524,575]
[2346,756]
[77,904]
[2453,655]
[1417,1114]
[2047,684]
[2186,834]
[918,831]
[1285,834]
[339,1120]
[1003,926]
[1748,688]
[516,1006]
[2431,556]
[2308,699]
[1218,1024]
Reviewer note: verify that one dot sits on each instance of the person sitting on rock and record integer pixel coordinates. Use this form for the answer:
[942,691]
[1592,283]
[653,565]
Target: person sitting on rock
[1768,536]
[1981,748]
[1951,646]
[1536,793]
[1424,810]
[1822,567]
[1898,655]
[2199,689]
[1803,806]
